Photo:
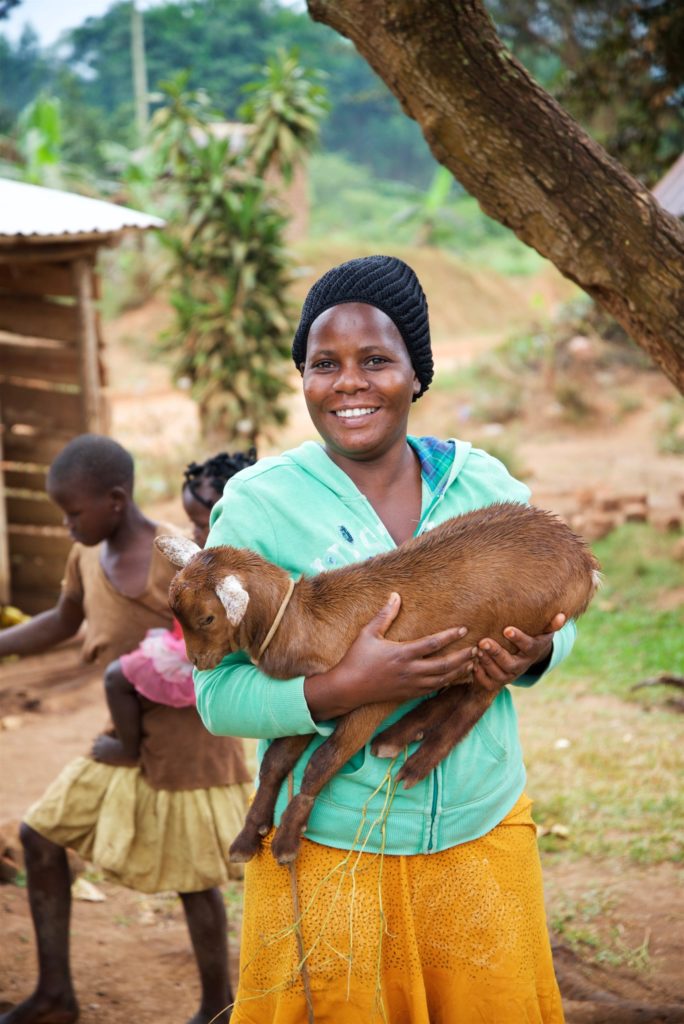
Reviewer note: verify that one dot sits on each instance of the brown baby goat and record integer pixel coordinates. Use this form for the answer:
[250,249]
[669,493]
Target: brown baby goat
[508,564]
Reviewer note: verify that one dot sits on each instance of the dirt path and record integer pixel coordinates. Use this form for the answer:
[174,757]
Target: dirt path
[132,958]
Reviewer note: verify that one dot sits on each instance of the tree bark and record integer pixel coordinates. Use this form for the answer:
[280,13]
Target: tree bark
[526,161]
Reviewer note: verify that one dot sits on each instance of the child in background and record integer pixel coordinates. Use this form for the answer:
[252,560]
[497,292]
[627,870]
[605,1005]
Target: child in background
[158,669]
[130,821]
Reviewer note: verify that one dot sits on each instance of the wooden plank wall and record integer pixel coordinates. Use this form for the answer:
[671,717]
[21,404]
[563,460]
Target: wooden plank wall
[4,545]
[45,401]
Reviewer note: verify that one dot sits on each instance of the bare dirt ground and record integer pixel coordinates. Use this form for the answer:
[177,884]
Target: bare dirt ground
[131,953]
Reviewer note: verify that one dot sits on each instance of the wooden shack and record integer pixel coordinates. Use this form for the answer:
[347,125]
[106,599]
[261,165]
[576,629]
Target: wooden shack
[51,368]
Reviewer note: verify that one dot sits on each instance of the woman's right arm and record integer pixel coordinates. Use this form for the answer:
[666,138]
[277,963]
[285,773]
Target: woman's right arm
[44,630]
[236,698]
[375,669]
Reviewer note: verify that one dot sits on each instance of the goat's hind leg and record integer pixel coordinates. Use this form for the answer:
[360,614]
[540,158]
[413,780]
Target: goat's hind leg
[412,726]
[279,759]
[446,732]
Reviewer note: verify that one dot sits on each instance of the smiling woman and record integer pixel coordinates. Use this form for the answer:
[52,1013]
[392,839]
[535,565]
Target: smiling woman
[358,382]
[422,904]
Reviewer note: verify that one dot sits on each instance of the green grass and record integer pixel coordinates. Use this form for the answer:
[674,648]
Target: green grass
[624,637]
[587,925]
[672,427]
[603,759]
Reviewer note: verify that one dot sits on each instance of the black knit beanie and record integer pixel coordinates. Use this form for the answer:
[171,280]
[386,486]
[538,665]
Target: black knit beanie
[381,281]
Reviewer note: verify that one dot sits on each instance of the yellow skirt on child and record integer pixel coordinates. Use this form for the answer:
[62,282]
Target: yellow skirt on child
[152,840]
[457,937]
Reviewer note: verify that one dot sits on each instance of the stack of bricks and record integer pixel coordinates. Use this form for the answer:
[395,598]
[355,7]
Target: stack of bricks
[600,512]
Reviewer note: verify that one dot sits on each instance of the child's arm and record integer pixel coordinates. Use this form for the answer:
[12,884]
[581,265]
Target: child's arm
[124,707]
[44,630]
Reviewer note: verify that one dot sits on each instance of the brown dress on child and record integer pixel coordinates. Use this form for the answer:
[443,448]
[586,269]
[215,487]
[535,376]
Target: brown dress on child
[167,823]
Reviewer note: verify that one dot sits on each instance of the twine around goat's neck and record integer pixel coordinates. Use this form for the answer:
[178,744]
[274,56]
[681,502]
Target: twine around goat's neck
[276,622]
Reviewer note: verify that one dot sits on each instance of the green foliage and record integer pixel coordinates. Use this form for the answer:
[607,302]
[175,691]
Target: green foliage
[218,44]
[428,214]
[615,65]
[40,141]
[285,109]
[671,416]
[231,270]
[6,6]
[350,205]
[36,154]
[24,72]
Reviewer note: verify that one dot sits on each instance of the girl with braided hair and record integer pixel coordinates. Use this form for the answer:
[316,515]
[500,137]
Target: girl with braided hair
[204,483]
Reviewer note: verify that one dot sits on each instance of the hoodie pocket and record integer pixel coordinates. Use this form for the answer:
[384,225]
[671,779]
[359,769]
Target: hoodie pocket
[475,768]
[490,740]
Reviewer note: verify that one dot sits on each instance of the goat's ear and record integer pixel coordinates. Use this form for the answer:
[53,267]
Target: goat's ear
[178,550]
[233,597]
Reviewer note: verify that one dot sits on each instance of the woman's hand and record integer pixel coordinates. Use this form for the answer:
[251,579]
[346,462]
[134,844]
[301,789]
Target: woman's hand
[494,666]
[376,669]
[110,750]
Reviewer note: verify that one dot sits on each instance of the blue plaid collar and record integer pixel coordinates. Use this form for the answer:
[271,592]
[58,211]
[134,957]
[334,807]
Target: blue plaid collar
[436,459]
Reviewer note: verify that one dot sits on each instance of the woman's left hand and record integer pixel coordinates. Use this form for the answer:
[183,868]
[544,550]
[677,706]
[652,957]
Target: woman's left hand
[494,666]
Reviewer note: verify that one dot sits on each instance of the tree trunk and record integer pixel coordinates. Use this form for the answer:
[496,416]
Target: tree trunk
[527,162]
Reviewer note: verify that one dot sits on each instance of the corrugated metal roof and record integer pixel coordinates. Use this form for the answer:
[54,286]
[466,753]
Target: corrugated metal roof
[670,189]
[34,213]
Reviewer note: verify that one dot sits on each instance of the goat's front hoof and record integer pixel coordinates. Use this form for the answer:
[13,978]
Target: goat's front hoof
[245,846]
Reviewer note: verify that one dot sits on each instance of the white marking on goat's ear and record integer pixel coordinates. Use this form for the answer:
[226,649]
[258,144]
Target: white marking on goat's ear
[233,597]
[596,578]
[178,550]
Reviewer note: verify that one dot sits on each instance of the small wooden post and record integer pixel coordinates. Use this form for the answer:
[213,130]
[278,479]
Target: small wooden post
[4,540]
[89,348]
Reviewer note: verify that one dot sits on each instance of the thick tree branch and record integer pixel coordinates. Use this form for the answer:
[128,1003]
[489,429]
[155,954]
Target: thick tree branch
[527,162]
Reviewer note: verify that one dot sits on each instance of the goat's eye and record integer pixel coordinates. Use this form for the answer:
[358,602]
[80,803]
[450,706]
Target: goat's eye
[207,620]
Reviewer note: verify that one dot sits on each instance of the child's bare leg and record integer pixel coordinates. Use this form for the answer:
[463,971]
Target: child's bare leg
[208,927]
[49,892]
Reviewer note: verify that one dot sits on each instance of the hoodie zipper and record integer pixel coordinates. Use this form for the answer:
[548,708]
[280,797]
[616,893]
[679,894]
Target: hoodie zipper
[434,773]
[433,811]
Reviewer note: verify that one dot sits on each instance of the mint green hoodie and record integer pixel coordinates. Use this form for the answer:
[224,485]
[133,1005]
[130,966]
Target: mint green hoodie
[303,512]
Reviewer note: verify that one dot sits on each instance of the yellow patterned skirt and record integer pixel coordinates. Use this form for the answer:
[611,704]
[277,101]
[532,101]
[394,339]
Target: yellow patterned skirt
[152,840]
[457,937]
